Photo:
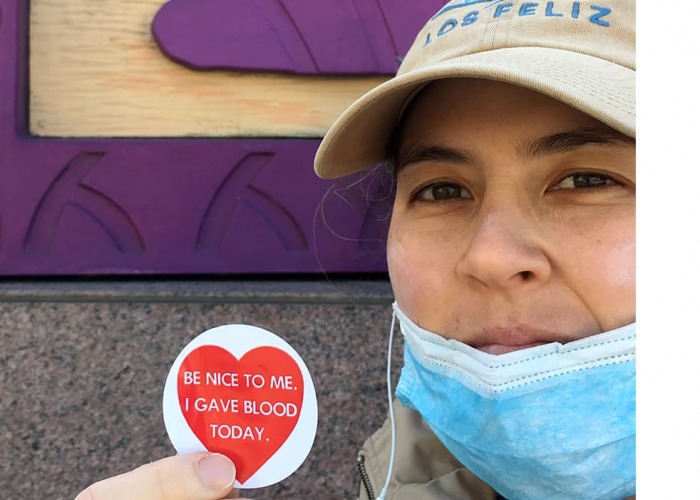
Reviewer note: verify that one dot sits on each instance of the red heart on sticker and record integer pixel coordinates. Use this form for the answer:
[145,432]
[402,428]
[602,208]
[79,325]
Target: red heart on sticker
[245,409]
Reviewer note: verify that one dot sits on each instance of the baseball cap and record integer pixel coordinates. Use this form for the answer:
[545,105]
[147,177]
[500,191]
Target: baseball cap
[581,53]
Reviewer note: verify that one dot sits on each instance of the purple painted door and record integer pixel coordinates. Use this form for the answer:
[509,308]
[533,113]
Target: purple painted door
[195,206]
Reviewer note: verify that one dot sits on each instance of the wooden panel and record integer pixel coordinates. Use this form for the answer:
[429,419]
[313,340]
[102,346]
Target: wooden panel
[95,71]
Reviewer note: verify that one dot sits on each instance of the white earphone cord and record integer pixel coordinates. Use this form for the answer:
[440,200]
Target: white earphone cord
[392,419]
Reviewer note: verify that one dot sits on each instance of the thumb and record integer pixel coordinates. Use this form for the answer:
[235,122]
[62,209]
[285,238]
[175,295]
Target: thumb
[192,476]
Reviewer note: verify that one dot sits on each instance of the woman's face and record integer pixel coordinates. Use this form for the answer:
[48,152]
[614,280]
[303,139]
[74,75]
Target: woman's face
[514,219]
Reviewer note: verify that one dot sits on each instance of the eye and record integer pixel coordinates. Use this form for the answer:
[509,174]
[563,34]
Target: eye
[441,191]
[583,181]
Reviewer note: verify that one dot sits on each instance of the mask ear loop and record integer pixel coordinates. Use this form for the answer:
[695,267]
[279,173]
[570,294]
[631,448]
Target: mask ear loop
[392,419]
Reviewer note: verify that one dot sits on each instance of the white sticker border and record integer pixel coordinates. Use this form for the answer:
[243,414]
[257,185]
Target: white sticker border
[238,339]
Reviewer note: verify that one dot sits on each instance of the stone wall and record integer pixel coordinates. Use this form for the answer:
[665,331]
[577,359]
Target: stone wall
[83,366]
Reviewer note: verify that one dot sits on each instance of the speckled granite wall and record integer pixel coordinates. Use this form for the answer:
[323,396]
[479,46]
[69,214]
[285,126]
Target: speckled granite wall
[83,365]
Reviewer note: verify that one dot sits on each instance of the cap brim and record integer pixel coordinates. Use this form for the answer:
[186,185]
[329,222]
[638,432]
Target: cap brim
[599,88]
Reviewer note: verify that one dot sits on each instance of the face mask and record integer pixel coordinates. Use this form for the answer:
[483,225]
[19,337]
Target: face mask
[555,421]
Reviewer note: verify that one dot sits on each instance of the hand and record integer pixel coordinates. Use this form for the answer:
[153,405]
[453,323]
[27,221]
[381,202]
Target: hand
[192,476]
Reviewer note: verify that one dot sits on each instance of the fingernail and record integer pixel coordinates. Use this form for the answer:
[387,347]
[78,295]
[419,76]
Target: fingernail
[216,471]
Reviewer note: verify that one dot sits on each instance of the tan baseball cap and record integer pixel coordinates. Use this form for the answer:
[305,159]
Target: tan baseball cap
[579,52]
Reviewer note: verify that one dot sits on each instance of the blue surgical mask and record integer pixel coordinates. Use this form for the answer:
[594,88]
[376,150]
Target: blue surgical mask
[555,421]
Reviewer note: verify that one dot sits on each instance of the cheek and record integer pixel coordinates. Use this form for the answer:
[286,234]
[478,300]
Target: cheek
[620,282]
[607,283]
[400,260]
[417,273]
[620,265]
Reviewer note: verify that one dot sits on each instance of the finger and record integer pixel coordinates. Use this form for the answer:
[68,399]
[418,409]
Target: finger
[193,476]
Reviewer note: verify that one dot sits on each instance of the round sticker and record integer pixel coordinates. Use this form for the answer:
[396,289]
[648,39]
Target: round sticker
[244,392]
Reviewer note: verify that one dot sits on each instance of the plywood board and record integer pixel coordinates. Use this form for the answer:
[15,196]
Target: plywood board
[96,71]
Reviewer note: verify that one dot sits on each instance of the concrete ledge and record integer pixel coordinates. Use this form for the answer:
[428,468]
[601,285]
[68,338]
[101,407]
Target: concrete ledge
[376,291]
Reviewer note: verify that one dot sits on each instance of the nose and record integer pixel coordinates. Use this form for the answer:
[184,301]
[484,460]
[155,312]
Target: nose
[504,247]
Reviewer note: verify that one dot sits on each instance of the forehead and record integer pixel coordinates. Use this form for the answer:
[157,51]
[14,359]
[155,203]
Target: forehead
[476,118]
[478,104]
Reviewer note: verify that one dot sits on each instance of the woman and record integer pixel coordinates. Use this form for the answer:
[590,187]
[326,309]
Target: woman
[510,132]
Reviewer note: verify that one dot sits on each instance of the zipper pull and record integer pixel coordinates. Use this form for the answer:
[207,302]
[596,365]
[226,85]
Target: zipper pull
[364,477]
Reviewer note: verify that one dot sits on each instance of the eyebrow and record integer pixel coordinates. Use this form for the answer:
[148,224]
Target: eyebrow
[568,141]
[560,142]
[435,154]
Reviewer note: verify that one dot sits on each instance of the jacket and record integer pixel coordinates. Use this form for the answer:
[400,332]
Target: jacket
[423,468]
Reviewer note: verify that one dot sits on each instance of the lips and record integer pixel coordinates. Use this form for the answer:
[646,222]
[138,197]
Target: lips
[501,340]
[503,349]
